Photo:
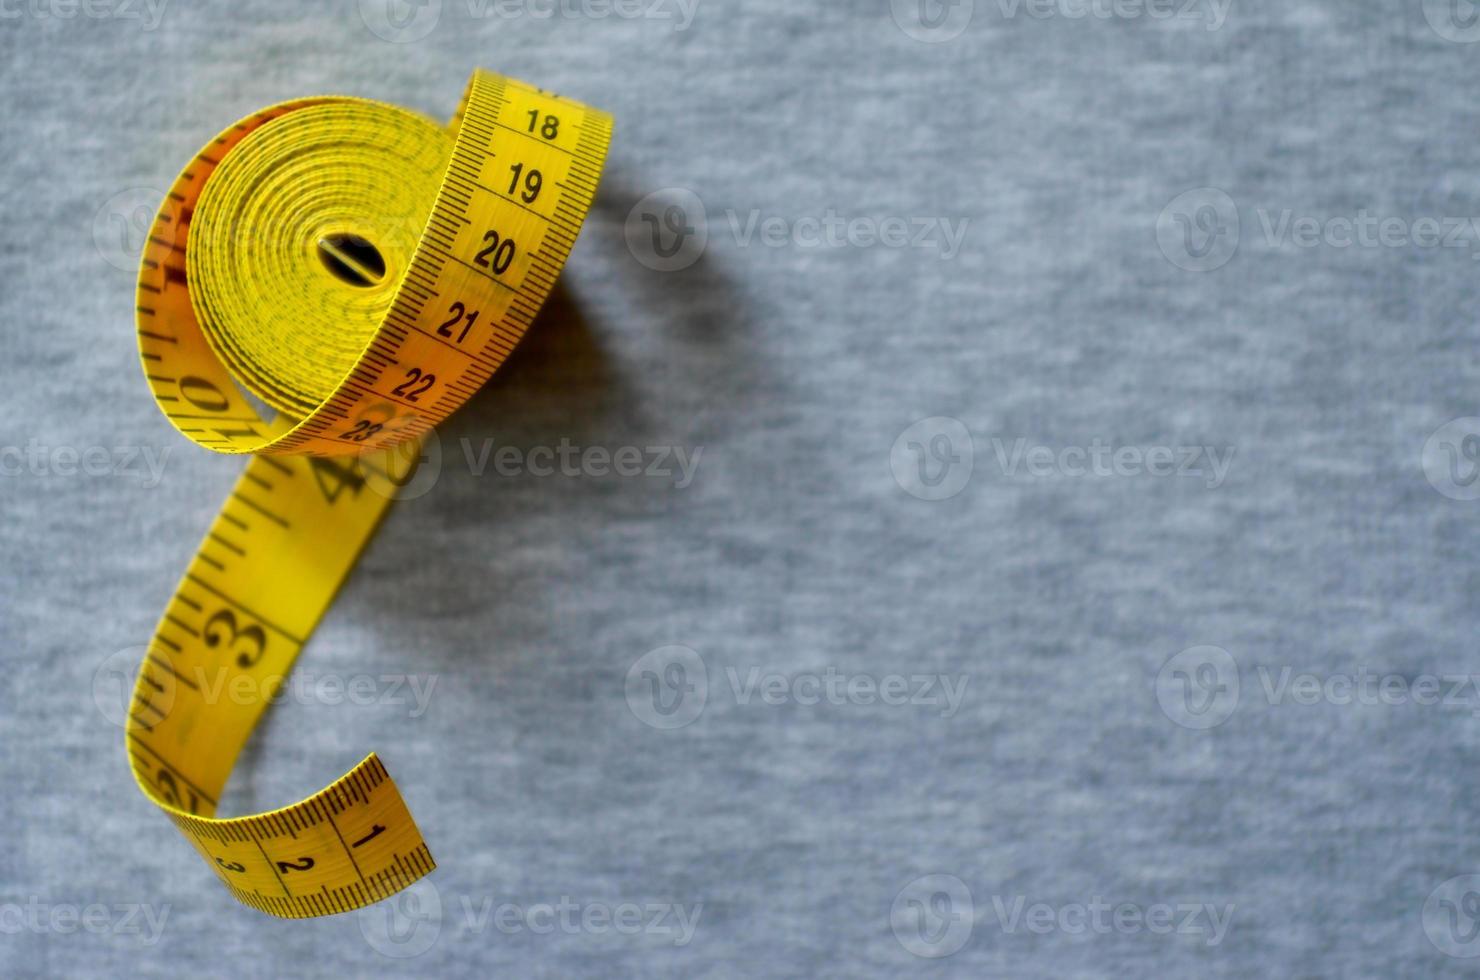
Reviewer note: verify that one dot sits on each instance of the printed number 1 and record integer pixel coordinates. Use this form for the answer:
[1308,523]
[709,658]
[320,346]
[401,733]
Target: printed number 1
[375,831]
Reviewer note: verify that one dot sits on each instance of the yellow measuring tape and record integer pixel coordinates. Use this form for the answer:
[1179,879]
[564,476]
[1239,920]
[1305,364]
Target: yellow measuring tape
[361,271]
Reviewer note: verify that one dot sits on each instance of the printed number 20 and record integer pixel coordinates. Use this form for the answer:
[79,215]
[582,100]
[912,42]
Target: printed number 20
[497,255]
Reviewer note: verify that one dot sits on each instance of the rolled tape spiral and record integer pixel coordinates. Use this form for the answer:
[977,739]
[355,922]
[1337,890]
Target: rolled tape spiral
[325,282]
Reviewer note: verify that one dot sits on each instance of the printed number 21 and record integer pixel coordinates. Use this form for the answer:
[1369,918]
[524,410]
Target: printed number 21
[455,313]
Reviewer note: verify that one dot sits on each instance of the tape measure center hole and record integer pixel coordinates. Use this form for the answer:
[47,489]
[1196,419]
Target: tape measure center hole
[351,258]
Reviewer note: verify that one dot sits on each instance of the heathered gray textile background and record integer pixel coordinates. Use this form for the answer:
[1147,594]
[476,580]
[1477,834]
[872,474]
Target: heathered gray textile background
[1068,355]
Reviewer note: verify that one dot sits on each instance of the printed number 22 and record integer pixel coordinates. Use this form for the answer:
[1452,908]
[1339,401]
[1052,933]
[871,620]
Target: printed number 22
[415,385]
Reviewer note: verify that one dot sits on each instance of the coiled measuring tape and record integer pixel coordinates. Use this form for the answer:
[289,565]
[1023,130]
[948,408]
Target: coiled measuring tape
[361,271]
